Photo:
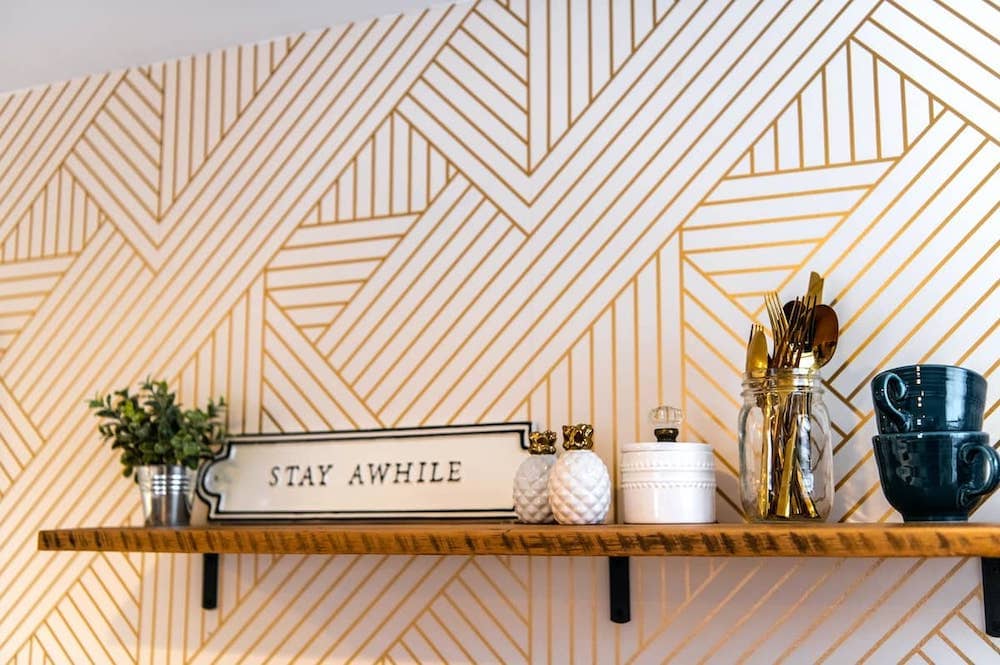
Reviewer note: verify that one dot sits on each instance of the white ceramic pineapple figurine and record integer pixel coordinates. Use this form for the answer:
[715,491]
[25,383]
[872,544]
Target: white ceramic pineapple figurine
[531,482]
[579,486]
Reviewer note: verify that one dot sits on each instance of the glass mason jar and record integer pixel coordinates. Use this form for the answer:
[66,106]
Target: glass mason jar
[786,454]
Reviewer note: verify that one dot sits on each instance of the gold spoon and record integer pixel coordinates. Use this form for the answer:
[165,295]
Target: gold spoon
[757,351]
[756,367]
[826,332]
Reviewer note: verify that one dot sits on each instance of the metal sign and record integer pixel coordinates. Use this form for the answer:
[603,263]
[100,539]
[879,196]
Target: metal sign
[457,472]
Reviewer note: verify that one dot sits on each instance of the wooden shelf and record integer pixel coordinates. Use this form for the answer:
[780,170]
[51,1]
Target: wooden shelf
[613,540]
[618,542]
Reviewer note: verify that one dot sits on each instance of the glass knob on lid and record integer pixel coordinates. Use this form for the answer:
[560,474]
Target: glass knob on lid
[666,422]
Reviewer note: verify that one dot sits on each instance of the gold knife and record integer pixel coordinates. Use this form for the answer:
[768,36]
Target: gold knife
[815,287]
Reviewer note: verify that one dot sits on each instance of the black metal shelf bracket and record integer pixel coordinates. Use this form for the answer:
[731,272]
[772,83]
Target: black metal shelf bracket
[618,576]
[621,596]
[209,581]
[991,596]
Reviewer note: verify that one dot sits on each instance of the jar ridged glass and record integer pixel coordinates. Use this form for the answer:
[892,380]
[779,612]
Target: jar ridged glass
[786,454]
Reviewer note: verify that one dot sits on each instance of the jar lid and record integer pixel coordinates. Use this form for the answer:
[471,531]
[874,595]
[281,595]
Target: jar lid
[666,446]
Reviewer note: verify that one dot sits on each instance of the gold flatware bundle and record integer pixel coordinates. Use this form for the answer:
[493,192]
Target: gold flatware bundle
[804,336]
[804,330]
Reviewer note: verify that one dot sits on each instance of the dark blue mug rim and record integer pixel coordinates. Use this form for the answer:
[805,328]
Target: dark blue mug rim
[973,374]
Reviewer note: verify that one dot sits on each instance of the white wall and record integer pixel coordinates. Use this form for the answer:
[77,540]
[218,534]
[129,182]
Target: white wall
[42,41]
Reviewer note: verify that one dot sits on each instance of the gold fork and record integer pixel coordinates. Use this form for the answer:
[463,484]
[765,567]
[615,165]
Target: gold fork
[779,325]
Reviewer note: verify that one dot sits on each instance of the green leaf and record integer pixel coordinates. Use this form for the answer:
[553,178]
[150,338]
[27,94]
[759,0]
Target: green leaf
[150,427]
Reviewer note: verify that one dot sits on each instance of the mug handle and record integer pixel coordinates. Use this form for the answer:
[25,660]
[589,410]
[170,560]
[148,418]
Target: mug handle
[971,490]
[885,402]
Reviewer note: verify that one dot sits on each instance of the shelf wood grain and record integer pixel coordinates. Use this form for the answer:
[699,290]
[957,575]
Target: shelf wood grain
[752,540]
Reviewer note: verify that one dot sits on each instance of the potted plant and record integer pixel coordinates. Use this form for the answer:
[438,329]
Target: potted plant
[162,443]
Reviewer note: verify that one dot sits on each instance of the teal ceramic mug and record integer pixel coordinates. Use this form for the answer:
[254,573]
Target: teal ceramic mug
[928,398]
[936,476]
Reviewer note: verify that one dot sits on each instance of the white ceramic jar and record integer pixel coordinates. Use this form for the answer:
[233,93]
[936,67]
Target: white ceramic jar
[531,482]
[668,483]
[579,484]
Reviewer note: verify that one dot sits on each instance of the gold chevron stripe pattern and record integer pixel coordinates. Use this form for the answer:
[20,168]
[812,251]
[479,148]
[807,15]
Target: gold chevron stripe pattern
[539,209]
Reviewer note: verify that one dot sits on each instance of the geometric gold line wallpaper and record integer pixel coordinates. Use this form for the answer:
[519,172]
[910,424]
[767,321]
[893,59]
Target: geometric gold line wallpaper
[552,210]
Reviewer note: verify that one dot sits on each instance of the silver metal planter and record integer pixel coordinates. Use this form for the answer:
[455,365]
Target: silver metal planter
[167,493]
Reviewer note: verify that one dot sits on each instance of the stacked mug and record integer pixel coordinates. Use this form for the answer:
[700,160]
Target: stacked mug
[934,461]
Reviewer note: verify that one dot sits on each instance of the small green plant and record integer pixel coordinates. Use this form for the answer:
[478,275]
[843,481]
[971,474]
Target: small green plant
[150,427]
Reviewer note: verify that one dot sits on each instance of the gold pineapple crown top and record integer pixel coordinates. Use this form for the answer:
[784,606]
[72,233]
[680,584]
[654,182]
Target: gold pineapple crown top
[578,437]
[542,443]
